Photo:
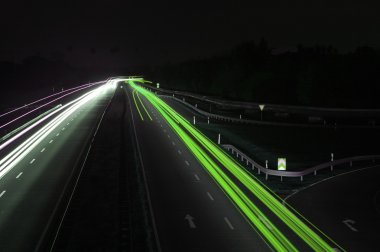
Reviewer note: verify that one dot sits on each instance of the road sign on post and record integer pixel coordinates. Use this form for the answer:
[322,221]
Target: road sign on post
[261,106]
[281,164]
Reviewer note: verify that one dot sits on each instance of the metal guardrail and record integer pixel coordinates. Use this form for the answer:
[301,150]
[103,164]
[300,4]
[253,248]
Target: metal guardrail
[246,121]
[328,165]
[317,111]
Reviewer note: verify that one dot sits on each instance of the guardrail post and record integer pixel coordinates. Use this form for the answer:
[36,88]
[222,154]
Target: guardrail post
[266,164]
[332,160]
[315,172]
[301,178]
[281,178]
[247,162]
[240,117]
[258,171]
[208,120]
[219,142]
[242,158]
[173,95]
[253,167]
[266,176]
[194,120]
[196,105]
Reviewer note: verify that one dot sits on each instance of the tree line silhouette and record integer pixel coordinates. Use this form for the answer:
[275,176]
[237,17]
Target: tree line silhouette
[312,76]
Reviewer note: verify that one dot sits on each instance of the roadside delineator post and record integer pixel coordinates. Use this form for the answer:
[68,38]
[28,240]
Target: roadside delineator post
[332,159]
[208,120]
[240,117]
[266,164]
[261,106]
[196,105]
[219,141]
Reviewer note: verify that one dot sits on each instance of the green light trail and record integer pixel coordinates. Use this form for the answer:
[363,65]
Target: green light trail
[257,218]
[142,104]
[134,99]
[272,234]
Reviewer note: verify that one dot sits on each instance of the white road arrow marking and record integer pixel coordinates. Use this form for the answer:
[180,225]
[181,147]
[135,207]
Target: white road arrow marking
[190,219]
[349,223]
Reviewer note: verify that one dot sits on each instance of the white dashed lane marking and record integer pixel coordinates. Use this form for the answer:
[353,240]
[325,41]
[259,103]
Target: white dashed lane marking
[210,196]
[197,177]
[32,161]
[2,193]
[51,141]
[229,223]
[43,150]
[187,163]
[19,175]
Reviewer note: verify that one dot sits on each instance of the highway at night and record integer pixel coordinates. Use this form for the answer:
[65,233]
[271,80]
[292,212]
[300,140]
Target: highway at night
[197,196]
[37,172]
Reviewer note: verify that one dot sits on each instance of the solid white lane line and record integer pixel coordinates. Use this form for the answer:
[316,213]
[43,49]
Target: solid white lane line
[32,161]
[19,175]
[51,141]
[197,177]
[2,193]
[210,196]
[229,223]
[187,163]
[43,150]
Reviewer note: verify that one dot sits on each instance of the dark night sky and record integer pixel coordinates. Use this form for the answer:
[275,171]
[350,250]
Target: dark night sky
[116,32]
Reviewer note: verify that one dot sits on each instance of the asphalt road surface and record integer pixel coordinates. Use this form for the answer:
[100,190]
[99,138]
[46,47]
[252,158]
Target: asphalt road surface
[31,192]
[190,211]
[345,206]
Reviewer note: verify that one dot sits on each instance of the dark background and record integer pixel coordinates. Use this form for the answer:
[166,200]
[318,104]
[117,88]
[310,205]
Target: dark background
[322,53]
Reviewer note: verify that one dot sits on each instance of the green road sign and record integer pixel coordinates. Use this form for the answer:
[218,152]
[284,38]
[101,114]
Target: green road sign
[281,164]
